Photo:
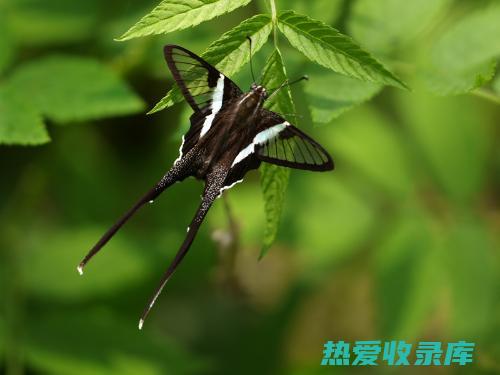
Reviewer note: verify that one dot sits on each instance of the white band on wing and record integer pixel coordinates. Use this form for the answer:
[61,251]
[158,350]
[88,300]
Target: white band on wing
[259,139]
[217,98]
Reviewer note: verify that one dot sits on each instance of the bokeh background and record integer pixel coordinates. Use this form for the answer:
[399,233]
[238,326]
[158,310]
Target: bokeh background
[399,242]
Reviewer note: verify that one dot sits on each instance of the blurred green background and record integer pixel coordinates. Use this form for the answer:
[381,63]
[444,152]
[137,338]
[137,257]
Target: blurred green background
[399,242]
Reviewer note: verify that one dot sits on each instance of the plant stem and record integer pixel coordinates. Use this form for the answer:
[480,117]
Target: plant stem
[274,18]
[488,95]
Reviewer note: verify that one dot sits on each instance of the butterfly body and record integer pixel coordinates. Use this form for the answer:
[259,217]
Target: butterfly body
[231,133]
[233,128]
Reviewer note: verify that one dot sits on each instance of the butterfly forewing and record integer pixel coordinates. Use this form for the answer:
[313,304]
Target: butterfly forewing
[201,84]
[205,88]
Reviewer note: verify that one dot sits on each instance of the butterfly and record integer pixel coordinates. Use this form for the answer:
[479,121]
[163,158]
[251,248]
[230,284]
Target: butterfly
[230,134]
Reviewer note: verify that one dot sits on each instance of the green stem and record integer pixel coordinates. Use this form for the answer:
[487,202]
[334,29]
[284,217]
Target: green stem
[275,22]
[488,95]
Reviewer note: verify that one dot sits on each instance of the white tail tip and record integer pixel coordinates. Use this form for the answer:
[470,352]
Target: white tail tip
[141,323]
[80,270]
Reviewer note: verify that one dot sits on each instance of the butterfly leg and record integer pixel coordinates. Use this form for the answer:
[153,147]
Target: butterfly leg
[213,186]
[178,172]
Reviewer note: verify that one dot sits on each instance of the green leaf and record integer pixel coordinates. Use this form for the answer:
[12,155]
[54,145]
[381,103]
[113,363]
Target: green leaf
[20,122]
[274,179]
[369,23]
[331,49]
[327,104]
[67,88]
[171,15]
[229,53]
[464,57]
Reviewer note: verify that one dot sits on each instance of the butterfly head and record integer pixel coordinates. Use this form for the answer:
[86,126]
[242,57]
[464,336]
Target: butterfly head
[259,91]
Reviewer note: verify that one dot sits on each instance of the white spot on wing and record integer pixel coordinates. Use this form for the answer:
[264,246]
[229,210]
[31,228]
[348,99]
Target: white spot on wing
[260,138]
[217,98]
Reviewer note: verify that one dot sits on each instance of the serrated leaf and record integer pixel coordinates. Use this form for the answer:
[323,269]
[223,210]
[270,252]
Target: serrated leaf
[20,122]
[464,57]
[68,88]
[369,25]
[274,179]
[171,15]
[331,94]
[229,53]
[333,50]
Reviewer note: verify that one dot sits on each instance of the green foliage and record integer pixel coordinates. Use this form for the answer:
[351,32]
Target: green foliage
[331,49]
[464,57]
[460,128]
[406,267]
[52,22]
[327,104]
[399,242]
[171,15]
[382,146]
[471,275]
[229,53]
[20,123]
[327,11]
[6,47]
[105,277]
[274,179]
[63,353]
[63,88]
[496,85]
[369,23]
[68,88]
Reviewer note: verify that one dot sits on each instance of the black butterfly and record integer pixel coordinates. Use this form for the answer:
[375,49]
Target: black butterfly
[231,133]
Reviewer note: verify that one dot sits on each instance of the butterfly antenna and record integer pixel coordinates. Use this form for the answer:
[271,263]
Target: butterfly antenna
[251,63]
[287,83]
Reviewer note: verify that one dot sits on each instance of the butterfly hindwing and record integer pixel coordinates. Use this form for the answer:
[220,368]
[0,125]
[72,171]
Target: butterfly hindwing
[278,142]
